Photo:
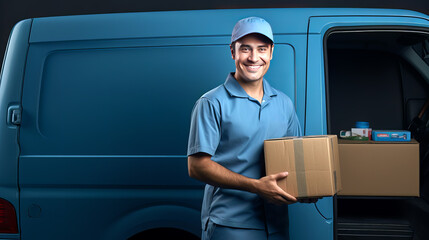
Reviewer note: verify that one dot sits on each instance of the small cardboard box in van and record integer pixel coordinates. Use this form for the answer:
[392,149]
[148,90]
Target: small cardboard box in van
[312,163]
[370,168]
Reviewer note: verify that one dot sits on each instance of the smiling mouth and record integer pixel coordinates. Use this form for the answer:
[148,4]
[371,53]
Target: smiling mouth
[253,68]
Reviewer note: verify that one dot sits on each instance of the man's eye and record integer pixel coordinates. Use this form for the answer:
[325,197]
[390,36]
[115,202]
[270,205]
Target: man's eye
[263,49]
[244,49]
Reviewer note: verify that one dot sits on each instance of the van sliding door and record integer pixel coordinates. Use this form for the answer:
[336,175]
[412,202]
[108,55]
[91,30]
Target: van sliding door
[320,93]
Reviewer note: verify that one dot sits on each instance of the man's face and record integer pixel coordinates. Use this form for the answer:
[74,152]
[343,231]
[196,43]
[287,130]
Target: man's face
[252,54]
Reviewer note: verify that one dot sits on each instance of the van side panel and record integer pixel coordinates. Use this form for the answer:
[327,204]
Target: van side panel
[12,76]
[105,128]
[105,136]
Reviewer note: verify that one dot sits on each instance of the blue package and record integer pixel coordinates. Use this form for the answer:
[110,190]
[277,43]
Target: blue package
[391,135]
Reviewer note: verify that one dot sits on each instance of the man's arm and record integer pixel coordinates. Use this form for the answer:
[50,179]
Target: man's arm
[201,167]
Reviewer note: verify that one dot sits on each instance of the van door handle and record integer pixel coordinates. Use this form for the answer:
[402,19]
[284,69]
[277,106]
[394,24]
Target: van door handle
[14,115]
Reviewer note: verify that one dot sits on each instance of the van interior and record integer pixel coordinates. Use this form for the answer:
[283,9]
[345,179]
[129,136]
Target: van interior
[380,76]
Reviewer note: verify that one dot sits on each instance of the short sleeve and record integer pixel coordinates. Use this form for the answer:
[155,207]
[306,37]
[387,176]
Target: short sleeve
[204,134]
[294,128]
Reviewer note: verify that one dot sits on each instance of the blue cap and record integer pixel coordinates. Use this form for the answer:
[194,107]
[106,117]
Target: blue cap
[251,25]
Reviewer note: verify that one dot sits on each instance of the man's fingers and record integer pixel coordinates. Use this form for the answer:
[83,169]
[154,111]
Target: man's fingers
[289,197]
[279,200]
[280,175]
[272,192]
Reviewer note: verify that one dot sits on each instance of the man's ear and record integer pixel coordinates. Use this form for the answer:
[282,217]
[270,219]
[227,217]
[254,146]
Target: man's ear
[272,50]
[231,47]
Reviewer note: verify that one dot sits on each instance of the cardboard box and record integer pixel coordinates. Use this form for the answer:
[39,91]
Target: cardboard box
[312,163]
[370,168]
[392,135]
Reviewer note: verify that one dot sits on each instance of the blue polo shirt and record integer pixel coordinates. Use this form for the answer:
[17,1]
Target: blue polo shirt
[231,126]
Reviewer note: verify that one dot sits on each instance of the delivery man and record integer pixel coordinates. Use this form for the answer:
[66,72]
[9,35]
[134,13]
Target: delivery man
[228,127]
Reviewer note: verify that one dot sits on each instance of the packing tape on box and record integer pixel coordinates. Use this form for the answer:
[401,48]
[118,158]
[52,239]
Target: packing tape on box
[300,167]
[335,171]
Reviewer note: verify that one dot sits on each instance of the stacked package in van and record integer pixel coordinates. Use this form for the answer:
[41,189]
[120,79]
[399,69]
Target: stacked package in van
[391,135]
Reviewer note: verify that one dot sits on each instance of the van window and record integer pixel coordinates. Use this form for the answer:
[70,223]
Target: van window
[135,100]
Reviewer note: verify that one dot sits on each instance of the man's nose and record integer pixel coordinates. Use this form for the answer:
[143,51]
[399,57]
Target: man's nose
[253,56]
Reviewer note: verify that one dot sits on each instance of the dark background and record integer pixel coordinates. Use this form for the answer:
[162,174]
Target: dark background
[12,11]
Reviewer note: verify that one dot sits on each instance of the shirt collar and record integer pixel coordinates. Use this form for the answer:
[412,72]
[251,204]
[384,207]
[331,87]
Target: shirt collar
[268,90]
[235,89]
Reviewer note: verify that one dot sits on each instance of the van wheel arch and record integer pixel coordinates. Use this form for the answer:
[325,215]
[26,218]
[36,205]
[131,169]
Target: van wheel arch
[149,220]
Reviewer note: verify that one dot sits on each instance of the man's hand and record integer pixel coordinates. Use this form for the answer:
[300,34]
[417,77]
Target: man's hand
[268,189]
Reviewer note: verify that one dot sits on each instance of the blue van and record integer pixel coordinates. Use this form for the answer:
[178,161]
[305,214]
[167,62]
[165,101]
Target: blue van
[96,109]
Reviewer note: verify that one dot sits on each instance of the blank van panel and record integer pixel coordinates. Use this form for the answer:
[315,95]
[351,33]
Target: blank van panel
[110,119]
[133,100]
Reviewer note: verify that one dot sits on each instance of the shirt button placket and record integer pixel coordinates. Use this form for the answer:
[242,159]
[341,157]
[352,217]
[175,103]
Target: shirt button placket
[261,105]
